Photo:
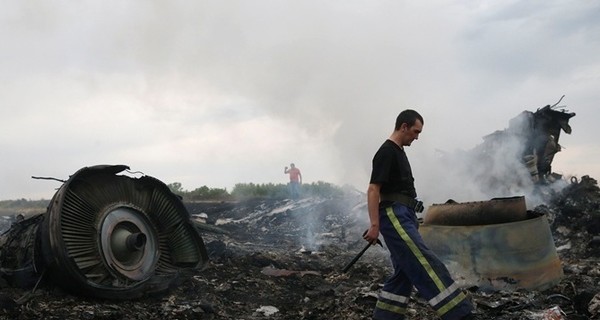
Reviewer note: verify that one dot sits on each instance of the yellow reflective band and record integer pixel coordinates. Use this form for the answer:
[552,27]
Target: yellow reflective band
[451,304]
[413,247]
[390,308]
[444,294]
[394,297]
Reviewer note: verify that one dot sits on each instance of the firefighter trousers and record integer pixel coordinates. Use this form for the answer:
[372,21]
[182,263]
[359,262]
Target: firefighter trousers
[414,265]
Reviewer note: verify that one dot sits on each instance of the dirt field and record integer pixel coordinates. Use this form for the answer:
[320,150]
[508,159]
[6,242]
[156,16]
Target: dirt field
[283,260]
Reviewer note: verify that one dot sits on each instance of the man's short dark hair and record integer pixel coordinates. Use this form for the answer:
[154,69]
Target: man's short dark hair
[409,117]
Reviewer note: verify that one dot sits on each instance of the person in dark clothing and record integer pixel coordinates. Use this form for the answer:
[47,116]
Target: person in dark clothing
[391,202]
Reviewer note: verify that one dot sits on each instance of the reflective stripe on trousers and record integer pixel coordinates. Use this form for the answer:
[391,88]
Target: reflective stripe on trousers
[415,265]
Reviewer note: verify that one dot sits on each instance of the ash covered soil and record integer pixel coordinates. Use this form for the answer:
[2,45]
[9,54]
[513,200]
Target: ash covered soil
[283,259]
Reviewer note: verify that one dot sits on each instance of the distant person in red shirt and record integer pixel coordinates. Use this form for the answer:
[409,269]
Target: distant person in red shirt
[295,180]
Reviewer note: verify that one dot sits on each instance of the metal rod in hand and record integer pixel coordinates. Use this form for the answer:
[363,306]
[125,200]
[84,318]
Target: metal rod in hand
[351,263]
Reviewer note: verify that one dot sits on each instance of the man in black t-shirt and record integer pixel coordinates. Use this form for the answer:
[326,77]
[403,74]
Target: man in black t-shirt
[391,201]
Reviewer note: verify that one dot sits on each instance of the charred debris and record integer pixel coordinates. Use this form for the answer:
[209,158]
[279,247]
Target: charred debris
[104,235]
[111,246]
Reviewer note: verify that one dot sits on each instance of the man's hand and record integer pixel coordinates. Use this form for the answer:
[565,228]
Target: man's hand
[372,234]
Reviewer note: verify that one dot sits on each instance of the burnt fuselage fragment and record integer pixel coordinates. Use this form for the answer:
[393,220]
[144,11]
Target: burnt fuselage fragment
[533,137]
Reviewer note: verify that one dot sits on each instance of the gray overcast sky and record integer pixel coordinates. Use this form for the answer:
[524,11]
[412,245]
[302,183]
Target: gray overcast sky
[220,92]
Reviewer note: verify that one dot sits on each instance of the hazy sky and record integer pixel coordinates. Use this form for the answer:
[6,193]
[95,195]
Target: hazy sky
[221,92]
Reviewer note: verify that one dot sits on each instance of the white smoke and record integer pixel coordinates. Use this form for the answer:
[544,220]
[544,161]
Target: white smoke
[495,168]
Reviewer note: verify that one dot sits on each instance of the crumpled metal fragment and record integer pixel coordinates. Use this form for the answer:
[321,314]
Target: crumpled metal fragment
[594,306]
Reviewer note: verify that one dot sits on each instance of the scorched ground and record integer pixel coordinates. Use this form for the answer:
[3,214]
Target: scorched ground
[283,259]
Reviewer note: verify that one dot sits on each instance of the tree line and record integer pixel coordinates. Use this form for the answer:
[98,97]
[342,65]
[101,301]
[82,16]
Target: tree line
[254,190]
[240,191]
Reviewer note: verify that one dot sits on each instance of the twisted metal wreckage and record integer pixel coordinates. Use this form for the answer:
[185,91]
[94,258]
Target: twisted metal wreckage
[112,236]
[499,244]
[104,235]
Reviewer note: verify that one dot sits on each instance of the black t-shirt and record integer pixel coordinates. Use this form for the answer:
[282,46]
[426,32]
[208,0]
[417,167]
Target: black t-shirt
[391,170]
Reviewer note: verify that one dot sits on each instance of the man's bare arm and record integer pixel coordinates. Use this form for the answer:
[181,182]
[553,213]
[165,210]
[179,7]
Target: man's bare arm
[373,207]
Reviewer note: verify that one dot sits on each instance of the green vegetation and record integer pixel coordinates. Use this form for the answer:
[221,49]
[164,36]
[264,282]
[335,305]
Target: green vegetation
[202,193]
[240,191]
[253,190]
[22,206]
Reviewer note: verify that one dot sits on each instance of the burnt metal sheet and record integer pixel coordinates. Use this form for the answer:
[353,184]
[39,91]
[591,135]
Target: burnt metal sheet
[497,210]
[506,256]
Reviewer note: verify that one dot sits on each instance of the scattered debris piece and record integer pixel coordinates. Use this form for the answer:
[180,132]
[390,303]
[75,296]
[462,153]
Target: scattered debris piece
[270,271]
[267,310]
